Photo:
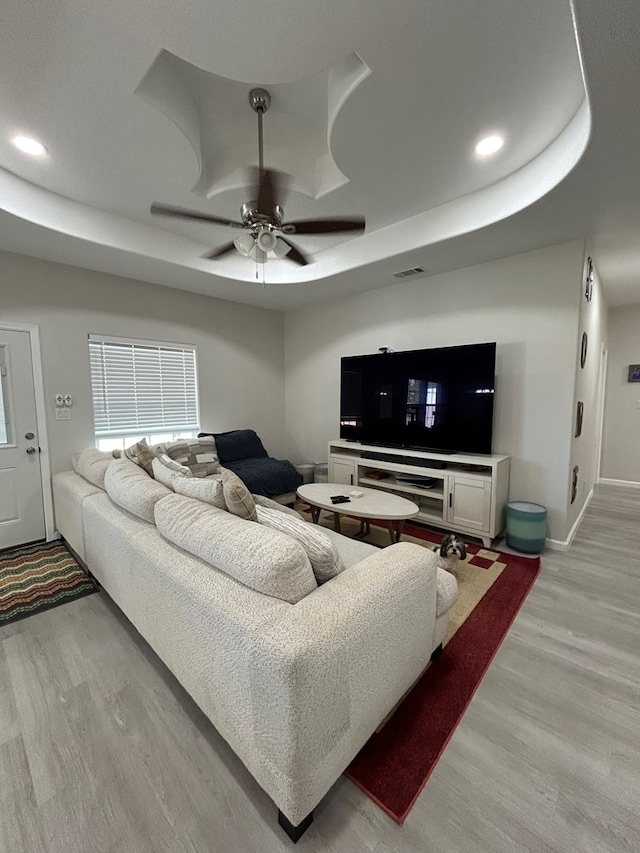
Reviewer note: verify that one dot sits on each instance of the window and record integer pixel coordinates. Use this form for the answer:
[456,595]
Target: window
[422,402]
[142,389]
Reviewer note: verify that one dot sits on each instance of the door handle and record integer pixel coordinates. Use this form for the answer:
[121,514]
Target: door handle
[31,450]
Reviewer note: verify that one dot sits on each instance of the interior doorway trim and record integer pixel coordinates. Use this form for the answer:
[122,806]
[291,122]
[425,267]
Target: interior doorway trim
[41,421]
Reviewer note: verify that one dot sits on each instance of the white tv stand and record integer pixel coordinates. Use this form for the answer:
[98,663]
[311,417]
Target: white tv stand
[469,495]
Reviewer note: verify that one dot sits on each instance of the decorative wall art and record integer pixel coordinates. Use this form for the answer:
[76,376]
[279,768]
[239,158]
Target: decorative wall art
[574,483]
[634,373]
[579,417]
[588,286]
[583,349]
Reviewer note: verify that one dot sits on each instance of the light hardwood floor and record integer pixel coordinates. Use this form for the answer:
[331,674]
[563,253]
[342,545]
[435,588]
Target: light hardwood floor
[101,749]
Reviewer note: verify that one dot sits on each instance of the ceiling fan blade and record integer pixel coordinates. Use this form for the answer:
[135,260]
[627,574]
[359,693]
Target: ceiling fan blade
[295,255]
[220,251]
[167,210]
[324,226]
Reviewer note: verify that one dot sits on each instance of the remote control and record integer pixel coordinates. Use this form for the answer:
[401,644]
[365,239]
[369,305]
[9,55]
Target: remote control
[340,499]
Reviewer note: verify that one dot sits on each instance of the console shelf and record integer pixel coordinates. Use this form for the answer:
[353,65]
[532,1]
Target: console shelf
[467,493]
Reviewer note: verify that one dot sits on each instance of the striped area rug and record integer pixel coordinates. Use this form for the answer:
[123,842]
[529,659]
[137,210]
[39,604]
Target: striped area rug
[37,577]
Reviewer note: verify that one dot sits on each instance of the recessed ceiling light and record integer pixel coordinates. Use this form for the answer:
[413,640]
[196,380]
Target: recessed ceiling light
[489,145]
[29,145]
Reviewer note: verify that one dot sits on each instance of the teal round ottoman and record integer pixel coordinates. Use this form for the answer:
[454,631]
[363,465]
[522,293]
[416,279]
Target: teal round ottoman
[526,526]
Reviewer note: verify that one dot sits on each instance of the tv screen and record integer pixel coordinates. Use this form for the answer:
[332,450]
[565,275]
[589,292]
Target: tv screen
[431,399]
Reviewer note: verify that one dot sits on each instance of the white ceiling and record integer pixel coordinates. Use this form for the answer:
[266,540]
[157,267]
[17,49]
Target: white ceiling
[375,110]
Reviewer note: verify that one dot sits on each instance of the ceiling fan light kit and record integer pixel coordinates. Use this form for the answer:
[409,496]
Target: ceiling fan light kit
[263,217]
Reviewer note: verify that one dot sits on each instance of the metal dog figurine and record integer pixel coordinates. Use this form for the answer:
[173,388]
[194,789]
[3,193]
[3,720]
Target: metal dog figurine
[450,552]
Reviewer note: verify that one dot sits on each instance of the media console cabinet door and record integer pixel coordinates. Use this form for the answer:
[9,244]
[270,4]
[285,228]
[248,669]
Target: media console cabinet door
[342,469]
[469,503]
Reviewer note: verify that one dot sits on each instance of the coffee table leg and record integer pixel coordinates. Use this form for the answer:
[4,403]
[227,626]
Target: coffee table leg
[365,527]
[395,536]
[336,522]
[315,514]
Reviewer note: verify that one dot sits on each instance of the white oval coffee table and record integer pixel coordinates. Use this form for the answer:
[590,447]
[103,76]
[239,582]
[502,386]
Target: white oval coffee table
[372,504]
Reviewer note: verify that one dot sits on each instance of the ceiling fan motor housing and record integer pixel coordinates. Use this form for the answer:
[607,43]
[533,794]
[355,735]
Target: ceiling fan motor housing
[251,217]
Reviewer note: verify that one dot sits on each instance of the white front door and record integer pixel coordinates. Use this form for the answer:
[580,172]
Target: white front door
[21,502]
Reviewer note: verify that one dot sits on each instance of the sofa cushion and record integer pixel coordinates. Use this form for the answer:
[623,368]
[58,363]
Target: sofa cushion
[92,464]
[165,470]
[325,560]
[207,490]
[131,488]
[238,444]
[237,496]
[198,454]
[141,454]
[263,559]
[351,550]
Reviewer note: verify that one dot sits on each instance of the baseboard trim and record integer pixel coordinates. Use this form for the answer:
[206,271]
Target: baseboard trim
[630,484]
[565,544]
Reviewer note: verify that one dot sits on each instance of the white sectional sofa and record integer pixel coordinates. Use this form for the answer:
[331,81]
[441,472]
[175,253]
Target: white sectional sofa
[297,686]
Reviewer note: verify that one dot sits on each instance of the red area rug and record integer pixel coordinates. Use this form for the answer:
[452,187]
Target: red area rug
[395,764]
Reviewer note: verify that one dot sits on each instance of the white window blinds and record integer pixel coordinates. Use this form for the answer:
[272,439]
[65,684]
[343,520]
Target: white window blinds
[142,387]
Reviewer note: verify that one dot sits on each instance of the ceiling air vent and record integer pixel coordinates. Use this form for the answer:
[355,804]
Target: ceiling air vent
[408,273]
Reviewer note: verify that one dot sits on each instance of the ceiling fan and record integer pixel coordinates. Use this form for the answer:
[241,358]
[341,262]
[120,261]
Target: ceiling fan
[262,219]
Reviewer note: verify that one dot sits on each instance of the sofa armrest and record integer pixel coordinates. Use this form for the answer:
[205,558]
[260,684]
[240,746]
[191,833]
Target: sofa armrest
[447,587]
[324,676]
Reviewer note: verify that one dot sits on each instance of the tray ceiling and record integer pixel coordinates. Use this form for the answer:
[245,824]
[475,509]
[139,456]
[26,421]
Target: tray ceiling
[374,112]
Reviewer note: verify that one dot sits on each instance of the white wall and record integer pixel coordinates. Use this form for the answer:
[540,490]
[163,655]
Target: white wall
[240,348]
[585,447]
[621,441]
[527,303]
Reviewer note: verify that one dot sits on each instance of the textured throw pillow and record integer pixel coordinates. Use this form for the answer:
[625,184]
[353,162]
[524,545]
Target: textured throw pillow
[237,496]
[206,490]
[142,455]
[322,553]
[165,471]
[198,454]
[261,500]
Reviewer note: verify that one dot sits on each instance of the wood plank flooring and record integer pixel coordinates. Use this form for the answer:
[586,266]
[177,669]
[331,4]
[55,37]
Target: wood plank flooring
[102,751]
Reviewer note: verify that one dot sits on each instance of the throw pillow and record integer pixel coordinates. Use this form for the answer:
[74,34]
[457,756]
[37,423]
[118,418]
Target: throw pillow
[206,490]
[237,496]
[165,470]
[198,454]
[325,560]
[142,455]
[262,500]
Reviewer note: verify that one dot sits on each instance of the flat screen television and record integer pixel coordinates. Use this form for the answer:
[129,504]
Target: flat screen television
[439,400]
